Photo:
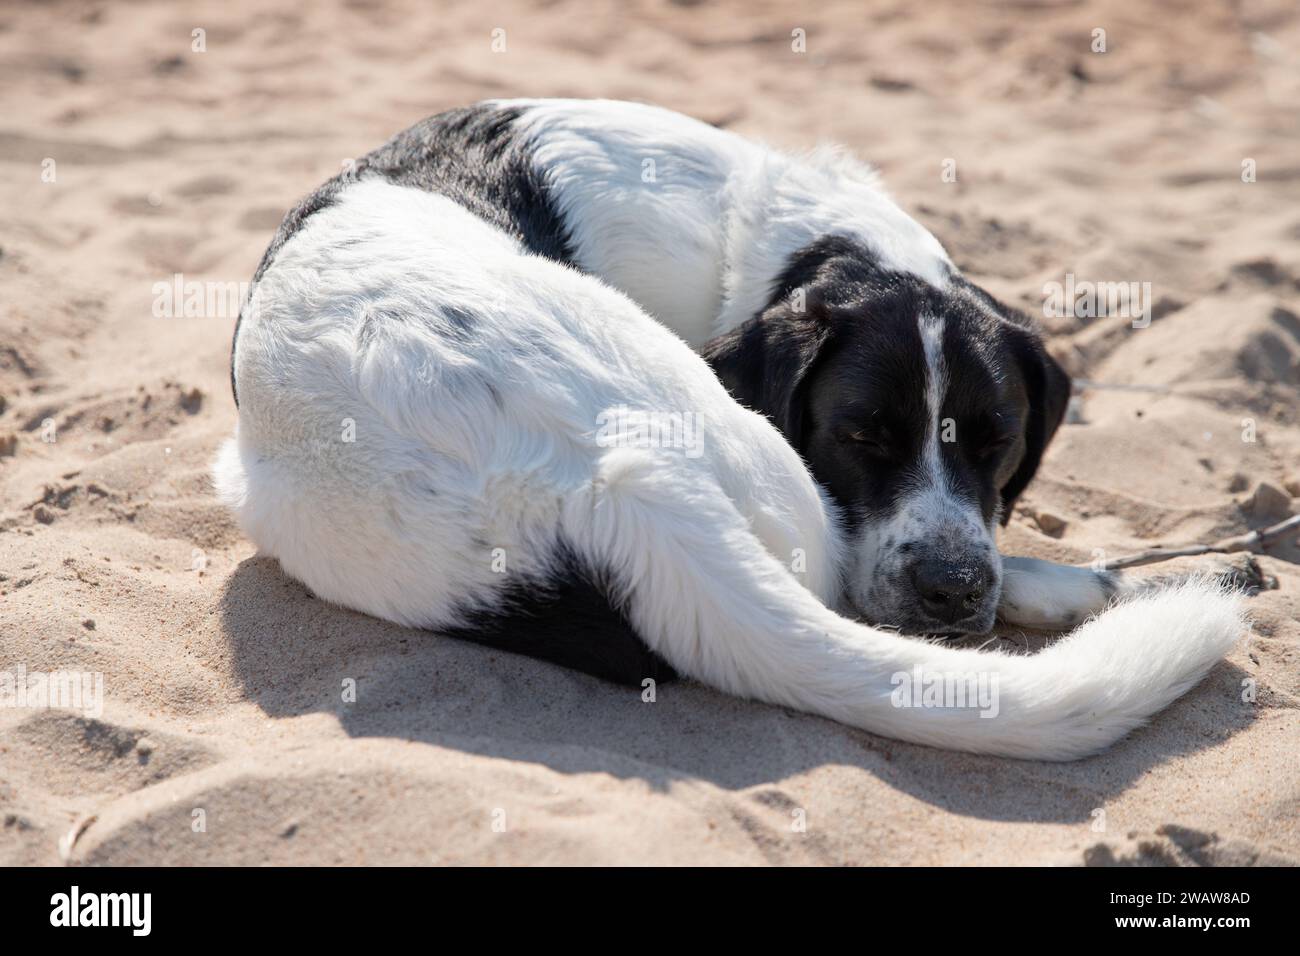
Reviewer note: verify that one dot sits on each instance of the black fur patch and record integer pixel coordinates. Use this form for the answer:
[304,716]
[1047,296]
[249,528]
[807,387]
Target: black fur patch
[570,620]
[472,156]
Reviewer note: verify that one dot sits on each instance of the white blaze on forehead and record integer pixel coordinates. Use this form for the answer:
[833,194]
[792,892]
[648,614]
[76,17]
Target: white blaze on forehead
[936,386]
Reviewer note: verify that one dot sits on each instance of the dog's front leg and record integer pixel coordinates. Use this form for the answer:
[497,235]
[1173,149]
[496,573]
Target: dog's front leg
[1053,596]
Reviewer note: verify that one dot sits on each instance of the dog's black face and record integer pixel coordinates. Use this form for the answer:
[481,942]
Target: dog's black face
[923,412]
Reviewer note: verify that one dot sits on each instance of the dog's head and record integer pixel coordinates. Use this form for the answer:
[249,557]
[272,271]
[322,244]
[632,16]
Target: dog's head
[924,412]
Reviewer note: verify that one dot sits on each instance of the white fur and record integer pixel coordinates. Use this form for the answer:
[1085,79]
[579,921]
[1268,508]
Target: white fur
[475,373]
[700,244]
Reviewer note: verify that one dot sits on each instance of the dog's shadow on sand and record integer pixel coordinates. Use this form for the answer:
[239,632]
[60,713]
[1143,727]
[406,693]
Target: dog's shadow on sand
[296,655]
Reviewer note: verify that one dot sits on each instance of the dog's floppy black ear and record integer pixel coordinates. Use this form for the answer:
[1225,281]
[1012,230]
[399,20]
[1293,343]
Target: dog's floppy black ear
[765,363]
[1048,390]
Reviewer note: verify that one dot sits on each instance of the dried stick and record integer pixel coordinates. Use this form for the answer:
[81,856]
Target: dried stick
[1255,541]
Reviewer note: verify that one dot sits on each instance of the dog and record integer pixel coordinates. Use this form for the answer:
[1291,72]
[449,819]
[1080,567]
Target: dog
[466,365]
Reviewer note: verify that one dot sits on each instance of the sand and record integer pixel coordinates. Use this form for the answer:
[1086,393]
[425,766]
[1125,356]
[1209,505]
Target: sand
[225,736]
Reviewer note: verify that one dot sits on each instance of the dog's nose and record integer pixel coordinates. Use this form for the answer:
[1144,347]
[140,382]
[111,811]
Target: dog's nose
[949,591]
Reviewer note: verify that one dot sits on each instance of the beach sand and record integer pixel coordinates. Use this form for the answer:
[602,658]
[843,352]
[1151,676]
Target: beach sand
[127,158]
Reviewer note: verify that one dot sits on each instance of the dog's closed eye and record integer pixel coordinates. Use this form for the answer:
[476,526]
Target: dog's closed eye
[995,447]
[990,436]
[874,440]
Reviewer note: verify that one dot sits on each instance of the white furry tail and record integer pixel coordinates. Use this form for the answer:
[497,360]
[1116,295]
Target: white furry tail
[706,596]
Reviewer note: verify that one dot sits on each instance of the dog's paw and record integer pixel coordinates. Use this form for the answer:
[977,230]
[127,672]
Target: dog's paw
[1242,574]
[1239,573]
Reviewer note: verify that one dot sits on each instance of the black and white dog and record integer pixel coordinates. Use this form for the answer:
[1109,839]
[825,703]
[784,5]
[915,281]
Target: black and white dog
[468,401]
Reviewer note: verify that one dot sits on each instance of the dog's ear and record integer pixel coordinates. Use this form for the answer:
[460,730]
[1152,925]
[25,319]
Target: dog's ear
[1047,389]
[765,363]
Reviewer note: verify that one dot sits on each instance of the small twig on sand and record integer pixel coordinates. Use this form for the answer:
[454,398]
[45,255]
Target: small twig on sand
[1084,384]
[68,841]
[1255,541]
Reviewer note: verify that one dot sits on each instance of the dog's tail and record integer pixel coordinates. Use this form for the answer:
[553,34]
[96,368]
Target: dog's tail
[705,595]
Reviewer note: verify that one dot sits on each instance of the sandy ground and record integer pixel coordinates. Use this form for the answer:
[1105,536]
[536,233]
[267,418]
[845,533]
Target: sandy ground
[224,736]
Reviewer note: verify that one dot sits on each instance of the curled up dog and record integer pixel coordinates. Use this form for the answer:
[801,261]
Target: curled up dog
[739,419]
